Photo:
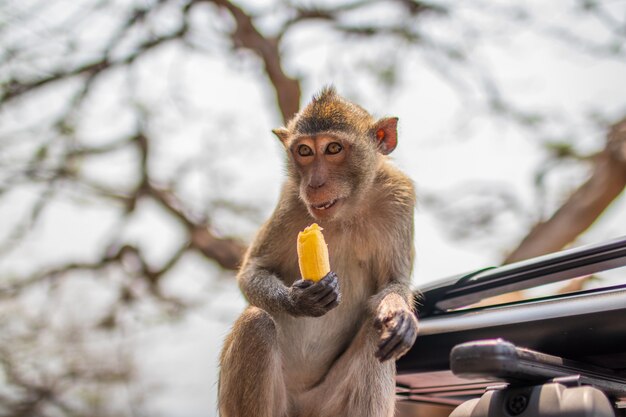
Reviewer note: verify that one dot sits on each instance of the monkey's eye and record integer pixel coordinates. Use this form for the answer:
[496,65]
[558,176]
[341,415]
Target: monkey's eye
[304,150]
[333,148]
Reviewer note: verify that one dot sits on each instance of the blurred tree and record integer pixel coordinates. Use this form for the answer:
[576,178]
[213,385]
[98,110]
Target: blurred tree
[106,124]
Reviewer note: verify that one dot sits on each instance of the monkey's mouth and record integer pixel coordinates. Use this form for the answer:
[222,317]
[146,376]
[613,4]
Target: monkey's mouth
[324,206]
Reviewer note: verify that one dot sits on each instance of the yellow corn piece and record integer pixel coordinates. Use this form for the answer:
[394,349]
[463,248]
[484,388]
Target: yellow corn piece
[313,253]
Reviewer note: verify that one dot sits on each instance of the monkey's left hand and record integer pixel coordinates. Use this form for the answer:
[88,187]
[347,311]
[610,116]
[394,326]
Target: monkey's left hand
[397,329]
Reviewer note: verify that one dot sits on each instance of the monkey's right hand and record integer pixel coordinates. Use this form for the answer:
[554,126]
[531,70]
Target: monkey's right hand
[308,298]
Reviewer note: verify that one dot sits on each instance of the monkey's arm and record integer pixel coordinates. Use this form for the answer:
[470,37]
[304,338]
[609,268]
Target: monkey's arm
[262,288]
[303,298]
[391,305]
[394,320]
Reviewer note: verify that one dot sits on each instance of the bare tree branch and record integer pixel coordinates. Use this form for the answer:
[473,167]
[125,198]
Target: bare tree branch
[585,205]
[16,88]
[227,252]
[247,36]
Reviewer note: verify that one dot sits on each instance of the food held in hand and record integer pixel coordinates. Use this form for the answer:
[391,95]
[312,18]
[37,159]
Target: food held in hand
[313,253]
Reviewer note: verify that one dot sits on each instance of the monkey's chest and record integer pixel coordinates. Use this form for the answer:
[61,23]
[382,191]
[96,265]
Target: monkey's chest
[310,345]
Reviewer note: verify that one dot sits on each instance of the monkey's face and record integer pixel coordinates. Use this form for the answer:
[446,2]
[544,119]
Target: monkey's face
[335,170]
[334,148]
[323,166]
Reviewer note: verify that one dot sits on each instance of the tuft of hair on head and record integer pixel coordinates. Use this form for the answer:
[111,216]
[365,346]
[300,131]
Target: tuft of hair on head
[328,111]
[311,118]
[327,92]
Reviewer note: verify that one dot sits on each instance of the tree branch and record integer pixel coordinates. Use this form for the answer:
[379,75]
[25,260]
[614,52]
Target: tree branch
[227,252]
[16,88]
[247,36]
[584,206]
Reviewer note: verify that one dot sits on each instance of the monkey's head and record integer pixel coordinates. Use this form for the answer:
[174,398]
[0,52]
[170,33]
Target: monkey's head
[334,149]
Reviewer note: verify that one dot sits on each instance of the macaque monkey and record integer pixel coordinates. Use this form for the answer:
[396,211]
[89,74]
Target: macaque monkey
[327,349]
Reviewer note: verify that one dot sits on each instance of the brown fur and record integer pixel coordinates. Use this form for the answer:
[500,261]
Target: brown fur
[279,363]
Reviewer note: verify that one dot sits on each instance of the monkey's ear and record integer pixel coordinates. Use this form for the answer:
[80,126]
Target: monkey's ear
[386,134]
[281,133]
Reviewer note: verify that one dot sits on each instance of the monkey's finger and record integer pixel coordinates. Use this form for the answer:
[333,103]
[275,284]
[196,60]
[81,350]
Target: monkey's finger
[390,349]
[320,287]
[388,342]
[410,336]
[404,345]
[302,283]
[315,294]
[334,303]
[405,337]
[329,281]
[324,282]
[394,324]
[332,297]
[397,340]
[338,296]
[320,296]
[334,284]
[386,320]
[378,323]
[396,352]
[331,276]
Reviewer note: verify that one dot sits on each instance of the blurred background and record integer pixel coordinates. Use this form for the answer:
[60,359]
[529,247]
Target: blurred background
[137,161]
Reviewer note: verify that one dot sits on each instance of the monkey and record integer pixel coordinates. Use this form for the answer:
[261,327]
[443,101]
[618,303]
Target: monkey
[305,349]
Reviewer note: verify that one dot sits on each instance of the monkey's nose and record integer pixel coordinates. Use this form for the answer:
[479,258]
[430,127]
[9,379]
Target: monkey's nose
[317,180]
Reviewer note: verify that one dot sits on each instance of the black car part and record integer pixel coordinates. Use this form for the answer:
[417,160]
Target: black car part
[586,326]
